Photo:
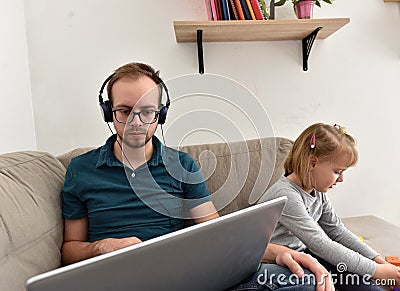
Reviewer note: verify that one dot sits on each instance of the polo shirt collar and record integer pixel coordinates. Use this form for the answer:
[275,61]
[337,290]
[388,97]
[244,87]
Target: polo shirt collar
[157,157]
[107,157]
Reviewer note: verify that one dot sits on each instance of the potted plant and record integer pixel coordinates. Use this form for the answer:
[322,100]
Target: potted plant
[303,8]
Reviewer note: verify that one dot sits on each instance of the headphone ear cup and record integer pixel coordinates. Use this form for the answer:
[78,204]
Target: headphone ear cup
[106,111]
[163,115]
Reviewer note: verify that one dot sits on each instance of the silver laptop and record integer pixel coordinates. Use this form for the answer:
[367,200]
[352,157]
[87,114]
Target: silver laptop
[213,255]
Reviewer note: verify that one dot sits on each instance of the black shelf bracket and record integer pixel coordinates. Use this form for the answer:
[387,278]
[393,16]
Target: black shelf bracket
[200,50]
[307,44]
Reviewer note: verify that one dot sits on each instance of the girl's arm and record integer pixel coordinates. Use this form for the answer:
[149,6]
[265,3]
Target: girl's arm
[335,229]
[332,225]
[300,223]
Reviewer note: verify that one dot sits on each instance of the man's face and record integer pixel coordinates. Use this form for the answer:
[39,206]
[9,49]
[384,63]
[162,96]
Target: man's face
[139,95]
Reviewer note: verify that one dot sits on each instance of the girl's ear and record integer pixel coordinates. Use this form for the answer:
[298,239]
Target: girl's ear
[313,161]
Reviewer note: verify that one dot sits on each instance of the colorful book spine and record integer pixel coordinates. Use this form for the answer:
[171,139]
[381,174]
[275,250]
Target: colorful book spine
[263,7]
[219,9]
[256,10]
[225,10]
[214,10]
[233,10]
[253,17]
[239,10]
[236,9]
[208,8]
[246,10]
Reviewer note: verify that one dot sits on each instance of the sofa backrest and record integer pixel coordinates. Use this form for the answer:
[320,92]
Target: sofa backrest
[236,173]
[65,159]
[30,216]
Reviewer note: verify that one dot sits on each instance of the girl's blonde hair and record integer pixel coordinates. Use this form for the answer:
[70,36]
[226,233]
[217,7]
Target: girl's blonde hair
[323,141]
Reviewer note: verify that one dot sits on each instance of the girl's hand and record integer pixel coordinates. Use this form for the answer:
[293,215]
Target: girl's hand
[388,273]
[380,260]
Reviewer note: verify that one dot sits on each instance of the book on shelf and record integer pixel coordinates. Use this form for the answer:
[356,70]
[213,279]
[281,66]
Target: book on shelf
[211,8]
[253,17]
[233,10]
[246,10]
[263,7]
[208,9]
[237,9]
[219,9]
[225,10]
[256,9]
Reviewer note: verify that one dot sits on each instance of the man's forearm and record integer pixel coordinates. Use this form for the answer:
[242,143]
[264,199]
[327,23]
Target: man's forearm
[75,251]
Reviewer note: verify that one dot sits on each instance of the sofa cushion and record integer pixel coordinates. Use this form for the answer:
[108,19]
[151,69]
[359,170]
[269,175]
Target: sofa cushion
[30,216]
[238,173]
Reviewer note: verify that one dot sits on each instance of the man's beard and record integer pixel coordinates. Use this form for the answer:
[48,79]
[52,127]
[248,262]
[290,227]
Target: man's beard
[136,142]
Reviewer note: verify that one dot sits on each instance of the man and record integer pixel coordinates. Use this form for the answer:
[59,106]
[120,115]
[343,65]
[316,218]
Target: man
[107,204]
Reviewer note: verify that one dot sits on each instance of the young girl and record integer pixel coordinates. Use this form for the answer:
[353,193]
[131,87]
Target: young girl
[309,223]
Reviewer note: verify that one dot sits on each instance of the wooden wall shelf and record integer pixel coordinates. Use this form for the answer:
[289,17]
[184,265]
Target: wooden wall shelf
[306,30]
[391,0]
[256,30]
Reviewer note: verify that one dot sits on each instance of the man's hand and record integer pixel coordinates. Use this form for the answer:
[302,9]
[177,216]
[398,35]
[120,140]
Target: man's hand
[112,244]
[293,260]
[284,256]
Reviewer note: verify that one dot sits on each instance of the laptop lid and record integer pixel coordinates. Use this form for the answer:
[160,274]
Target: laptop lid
[213,255]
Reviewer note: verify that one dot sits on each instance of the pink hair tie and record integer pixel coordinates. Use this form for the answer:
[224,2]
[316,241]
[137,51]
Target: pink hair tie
[312,141]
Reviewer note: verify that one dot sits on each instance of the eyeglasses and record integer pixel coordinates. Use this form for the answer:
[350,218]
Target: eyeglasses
[126,115]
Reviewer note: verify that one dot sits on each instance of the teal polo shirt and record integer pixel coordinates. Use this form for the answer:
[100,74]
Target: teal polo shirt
[150,201]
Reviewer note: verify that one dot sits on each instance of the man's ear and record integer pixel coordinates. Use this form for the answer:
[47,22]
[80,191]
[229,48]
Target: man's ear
[313,160]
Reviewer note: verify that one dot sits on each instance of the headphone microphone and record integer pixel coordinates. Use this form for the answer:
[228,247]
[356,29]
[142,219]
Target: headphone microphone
[106,107]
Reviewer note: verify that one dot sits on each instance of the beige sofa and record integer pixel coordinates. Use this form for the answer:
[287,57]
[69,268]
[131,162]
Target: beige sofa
[30,215]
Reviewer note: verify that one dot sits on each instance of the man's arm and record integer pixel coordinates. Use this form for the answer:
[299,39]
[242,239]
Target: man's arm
[75,247]
[284,256]
[204,212]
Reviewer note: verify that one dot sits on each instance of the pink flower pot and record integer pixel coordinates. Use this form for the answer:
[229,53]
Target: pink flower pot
[305,9]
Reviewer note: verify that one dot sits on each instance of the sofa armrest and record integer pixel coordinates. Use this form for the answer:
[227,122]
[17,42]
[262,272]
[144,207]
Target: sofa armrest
[30,216]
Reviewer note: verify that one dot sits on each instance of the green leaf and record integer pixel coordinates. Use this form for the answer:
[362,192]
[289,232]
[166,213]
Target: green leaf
[328,1]
[317,3]
[280,2]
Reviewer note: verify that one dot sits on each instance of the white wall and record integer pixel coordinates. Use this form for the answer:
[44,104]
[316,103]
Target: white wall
[73,46]
[17,129]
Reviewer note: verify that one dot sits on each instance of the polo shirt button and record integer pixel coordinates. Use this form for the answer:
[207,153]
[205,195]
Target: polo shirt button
[133,175]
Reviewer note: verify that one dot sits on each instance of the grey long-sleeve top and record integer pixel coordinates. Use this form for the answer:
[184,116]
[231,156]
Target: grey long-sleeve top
[311,222]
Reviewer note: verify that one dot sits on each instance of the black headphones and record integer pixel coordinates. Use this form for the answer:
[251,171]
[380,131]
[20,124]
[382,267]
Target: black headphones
[106,107]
